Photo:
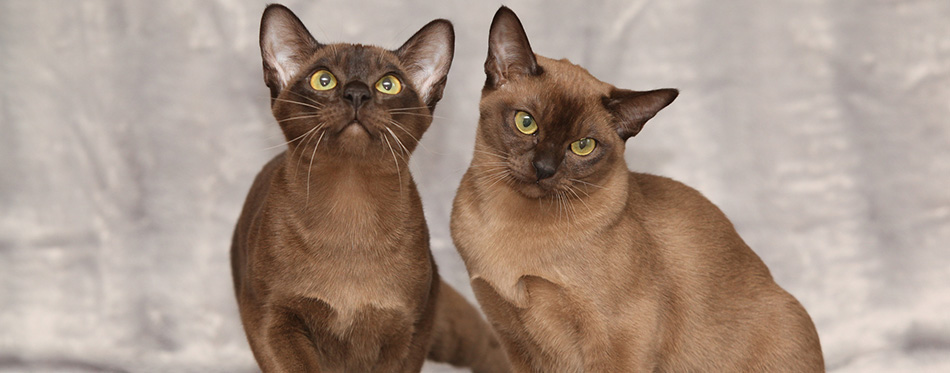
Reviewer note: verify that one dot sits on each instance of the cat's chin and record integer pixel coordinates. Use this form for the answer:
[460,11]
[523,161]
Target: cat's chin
[533,190]
[354,135]
[354,129]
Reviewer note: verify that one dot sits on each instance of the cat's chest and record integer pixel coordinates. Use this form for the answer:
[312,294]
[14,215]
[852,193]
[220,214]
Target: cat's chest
[503,249]
[360,340]
[352,284]
[552,323]
[348,269]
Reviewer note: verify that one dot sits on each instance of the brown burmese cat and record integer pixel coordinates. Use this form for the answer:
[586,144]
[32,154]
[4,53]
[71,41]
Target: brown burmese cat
[584,266]
[330,257]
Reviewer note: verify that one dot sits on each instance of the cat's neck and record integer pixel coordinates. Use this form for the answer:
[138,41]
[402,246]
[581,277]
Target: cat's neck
[348,192]
[347,173]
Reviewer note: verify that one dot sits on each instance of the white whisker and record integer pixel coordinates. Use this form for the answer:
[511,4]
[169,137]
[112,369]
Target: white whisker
[313,133]
[400,109]
[310,168]
[571,189]
[404,149]
[568,211]
[395,123]
[505,157]
[295,139]
[418,142]
[419,114]
[489,165]
[298,103]
[395,161]
[560,205]
[298,117]
[307,98]
[586,183]
[502,175]
[571,204]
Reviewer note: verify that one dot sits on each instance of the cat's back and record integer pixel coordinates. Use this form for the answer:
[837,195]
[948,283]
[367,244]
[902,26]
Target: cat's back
[674,203]
[693,236]
[249,213]
[716,272]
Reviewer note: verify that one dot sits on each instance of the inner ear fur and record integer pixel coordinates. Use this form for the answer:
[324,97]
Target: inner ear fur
[285,47]
[632,109]
[509,52]
[427,56]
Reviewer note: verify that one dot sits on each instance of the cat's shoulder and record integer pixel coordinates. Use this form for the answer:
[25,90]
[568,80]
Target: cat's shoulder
[657,186]
[269,169]
[262,183]
[668,194]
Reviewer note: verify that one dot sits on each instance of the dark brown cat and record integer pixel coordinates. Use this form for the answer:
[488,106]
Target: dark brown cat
[330,257]
[584,266]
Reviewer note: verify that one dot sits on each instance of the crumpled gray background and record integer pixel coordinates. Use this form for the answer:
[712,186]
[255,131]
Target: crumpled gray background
[131,131]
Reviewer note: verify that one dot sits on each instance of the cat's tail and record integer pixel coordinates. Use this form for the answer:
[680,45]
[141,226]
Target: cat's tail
[461,337]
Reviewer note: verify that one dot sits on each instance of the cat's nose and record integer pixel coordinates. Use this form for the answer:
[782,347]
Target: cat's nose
[356,92]
[544,167]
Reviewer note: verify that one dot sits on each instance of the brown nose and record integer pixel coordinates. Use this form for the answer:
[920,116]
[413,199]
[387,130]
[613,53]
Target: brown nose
[356,92]
[545,167]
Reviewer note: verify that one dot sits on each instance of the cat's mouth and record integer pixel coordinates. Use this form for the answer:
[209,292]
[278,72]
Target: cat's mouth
[355,125]
[531,187]
[355,128]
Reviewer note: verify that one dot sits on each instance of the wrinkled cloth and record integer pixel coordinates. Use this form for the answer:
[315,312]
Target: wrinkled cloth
[130,133]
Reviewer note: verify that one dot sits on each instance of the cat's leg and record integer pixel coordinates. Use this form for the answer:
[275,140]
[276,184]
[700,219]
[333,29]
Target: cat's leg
[404,336]
[250,319]
[505,322]
[462,338]
[400,345]
[283,343]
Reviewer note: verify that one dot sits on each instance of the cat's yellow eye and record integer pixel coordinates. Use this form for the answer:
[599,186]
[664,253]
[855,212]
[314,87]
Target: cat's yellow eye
[389,85]
[525,123]
[583,146]
[322,80]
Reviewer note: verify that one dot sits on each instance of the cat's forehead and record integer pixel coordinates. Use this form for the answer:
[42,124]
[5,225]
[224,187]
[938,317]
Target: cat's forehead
[562,92]
[572,79]
[356,59]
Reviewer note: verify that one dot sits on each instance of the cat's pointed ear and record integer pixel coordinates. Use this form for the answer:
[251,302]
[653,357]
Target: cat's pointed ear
[285,46]
[509,53]
[427,56]
[632,109]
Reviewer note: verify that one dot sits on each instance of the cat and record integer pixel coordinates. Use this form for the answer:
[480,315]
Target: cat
[330,257]
[583,266]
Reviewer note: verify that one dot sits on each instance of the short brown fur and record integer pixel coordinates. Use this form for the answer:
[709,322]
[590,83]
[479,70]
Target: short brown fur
[599,269]
[330,256]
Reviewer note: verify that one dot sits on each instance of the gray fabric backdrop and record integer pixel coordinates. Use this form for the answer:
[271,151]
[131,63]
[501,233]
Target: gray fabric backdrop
[130,132]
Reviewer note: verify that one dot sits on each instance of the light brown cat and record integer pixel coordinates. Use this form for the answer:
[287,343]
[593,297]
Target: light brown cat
[331,261]
[584,266]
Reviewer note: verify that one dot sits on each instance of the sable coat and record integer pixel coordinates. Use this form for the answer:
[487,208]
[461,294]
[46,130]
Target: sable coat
[330,257]
[584,266]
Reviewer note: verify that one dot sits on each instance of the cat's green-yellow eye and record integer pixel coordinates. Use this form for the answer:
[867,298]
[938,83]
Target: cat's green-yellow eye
[389,85]
[583,146]
[525,123]
[322,80]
